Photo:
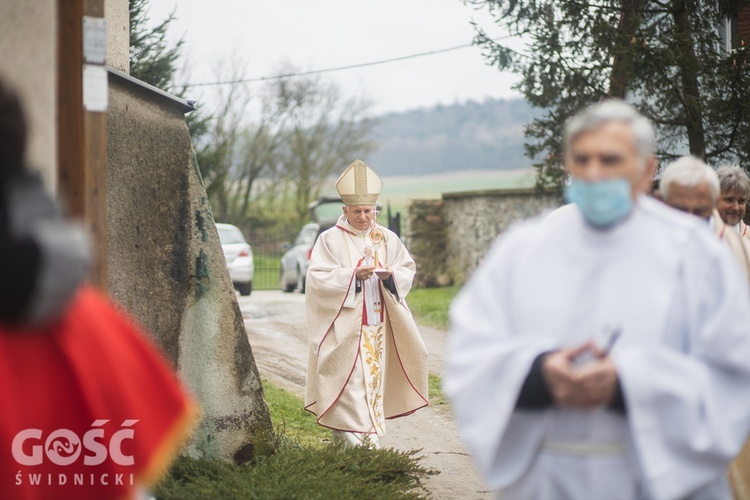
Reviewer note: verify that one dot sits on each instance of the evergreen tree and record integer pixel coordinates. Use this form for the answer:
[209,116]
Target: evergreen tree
[667,57]
[155,62]
[152,60]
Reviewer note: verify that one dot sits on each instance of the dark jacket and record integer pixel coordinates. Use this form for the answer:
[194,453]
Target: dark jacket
[43,257]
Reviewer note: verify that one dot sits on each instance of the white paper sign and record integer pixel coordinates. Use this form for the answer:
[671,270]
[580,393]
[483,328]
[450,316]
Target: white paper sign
[94,40]
[95,89]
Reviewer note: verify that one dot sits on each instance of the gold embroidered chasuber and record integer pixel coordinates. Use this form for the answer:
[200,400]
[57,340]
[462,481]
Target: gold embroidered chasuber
[367,361]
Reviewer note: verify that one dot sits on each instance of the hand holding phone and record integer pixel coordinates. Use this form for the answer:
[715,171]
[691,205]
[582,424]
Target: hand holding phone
[599,347]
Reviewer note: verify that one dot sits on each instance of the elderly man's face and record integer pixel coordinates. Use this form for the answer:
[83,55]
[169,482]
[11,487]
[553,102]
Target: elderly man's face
[608,152]
[731,206]
[359,216]
[693,200]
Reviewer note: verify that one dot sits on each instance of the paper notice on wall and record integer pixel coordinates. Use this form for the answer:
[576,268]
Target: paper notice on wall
[94,40]
[95,89]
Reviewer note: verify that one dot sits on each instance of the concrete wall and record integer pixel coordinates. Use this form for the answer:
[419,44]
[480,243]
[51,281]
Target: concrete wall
[28,44]
[448,239]
[167,268]
[117,16]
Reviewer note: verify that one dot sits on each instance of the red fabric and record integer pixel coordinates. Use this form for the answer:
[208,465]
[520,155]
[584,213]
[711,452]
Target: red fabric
[743,24]
[92,365]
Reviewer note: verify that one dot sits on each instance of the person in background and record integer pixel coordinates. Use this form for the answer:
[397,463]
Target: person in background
[691,186]
[43,258]
[603,352]
[89,407]
[732,203]
[367,361]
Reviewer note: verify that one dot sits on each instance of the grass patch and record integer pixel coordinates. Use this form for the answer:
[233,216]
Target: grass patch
[435,384]
[292,420]
[267,272]
[430,305]
[305,466]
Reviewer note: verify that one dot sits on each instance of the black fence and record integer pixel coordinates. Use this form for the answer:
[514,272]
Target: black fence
[267,252]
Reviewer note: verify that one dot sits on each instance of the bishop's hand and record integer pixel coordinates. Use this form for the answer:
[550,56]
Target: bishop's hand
[364,273]
[384,273]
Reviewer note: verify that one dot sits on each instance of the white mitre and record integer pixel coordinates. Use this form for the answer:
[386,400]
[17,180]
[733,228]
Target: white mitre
[359,185]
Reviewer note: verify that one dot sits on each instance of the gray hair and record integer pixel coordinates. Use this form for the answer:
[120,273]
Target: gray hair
[689,172]
[613,110]
[733,177]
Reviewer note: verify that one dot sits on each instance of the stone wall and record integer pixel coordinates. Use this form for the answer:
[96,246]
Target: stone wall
[425,235]
[448,238]
[167,268]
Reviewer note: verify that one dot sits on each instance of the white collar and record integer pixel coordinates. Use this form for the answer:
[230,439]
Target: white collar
[343,222]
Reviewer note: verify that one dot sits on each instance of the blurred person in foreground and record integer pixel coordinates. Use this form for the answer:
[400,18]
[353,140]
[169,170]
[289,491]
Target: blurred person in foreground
[367,361]
[89,408]
[602,353]
[732,203]
[691,186]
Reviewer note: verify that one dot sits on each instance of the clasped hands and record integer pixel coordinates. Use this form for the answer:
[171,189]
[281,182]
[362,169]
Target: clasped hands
[365,272]
[584,386]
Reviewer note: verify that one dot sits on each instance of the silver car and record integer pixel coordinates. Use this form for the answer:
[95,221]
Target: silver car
[239,257]
[296,259]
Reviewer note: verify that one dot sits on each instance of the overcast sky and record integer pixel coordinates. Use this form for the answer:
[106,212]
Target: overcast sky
[315,34]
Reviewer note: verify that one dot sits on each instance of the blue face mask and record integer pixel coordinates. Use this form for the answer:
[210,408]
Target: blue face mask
[603,203]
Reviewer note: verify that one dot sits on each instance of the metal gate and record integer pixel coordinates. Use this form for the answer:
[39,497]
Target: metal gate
[267,252]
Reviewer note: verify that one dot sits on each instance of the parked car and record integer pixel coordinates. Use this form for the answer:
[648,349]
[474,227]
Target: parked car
[296,259]
[239,257]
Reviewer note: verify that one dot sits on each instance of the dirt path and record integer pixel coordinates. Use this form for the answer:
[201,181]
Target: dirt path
[277,328]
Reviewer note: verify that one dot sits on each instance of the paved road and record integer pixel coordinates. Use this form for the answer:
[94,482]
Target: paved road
[277,328]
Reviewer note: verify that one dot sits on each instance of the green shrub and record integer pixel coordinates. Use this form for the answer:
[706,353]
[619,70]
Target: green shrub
[301,472]
[306,465]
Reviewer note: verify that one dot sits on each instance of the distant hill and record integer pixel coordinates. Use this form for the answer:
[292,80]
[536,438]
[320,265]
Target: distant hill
[468,136]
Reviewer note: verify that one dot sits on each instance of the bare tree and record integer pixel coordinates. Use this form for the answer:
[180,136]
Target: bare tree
[293,135]
[258,150]
[217,152]
[322,132]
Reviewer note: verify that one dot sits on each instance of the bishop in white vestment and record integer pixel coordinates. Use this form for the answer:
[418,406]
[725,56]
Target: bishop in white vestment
[603,353]
[367,362]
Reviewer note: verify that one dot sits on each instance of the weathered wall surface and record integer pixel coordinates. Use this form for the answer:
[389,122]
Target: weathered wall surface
[425,235]
[470,222]
[167,268]
[117,15]
[28,44]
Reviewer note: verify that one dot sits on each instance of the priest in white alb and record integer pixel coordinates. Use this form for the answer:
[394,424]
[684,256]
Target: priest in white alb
[735,193]
[603,353]
[367,362]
